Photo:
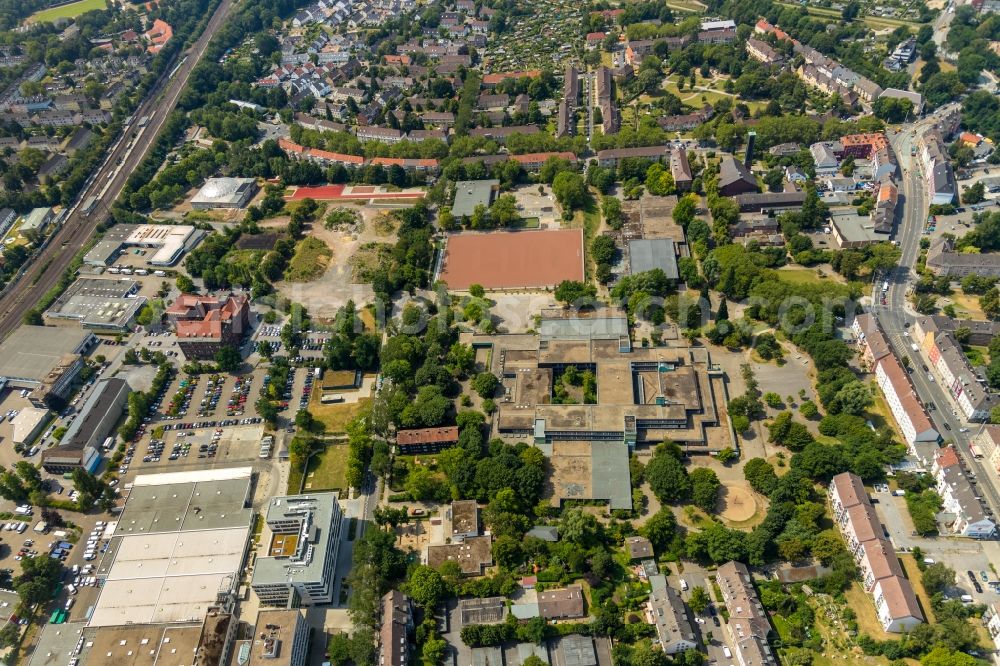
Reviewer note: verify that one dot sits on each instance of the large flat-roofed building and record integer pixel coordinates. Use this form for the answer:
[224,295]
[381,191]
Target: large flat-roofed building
[169,242]
[178,547]
[108,306]
[30,355]
[224,193]
[472,193]
[135,644]
[80,446]
[851,230]
[646,254]
[280,638]
[643,395]
[205,324]
[302,539]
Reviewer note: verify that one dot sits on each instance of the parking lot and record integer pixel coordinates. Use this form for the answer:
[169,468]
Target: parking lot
[311,348]
[960,554]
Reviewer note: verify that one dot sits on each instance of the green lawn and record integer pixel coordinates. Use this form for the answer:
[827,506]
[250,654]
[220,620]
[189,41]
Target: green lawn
[327,470]
[806,276]
[309,261]
[71,10]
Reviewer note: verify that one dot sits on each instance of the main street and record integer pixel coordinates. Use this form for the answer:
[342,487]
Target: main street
[124,157]
[896,316]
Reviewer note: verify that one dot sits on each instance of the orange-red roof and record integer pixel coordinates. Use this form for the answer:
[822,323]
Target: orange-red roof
[946,457]
[493,79]
[532,158]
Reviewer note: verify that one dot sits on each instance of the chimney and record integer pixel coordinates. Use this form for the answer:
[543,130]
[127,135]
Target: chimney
[748,159]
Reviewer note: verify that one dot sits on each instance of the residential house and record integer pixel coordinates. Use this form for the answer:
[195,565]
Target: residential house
[748,625]
[961,505]
[666,611]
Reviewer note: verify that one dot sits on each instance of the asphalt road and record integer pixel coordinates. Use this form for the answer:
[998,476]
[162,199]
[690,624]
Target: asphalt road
[896,313]
[46,269]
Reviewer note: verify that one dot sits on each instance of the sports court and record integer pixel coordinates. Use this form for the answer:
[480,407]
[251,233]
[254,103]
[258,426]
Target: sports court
[348,192]
[512,259]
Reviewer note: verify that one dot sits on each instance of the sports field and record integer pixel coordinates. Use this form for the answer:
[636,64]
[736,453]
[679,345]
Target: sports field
[70,10]
[513,259]
[358,192]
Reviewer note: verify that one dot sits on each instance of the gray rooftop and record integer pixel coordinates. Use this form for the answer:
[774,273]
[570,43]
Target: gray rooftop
[610,471]
[31,352]
[99,303]
[646,254]
[323,510]
[472,193]
[603,325]
[202,505]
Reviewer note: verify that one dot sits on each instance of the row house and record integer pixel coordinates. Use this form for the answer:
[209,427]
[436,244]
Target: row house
[906,408]
[870,339]
[534,161]
[612,157]
[763,52]
[380,134]
[748,625]
[942,259]
[686,121]
[500,134]
[407,164]
[884,213]
[937,168]
[881,575]
[606,101]
[962,509]
[717,36]
[962,381]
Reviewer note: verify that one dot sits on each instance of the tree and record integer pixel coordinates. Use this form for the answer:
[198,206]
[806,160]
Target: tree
[579,527]
[485,384]
[603,249]
[974,193]
[704,488]
[699,599]
[570,190]
[572,291]
[228,358]
[186,285]
[38,578]
[668,479]
[760,475]
[425,586]
[9,635]
[503,212]
[660,529]
[267,410]
[938,577]
[945,656]
[611,208]
[685,210]
[854,397]
[421,484]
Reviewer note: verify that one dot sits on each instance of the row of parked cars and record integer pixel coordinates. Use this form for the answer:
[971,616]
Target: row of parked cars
[96,541]
[213,424]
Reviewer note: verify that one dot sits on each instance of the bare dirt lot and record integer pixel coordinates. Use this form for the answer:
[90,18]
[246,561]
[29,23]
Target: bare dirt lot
[331,291]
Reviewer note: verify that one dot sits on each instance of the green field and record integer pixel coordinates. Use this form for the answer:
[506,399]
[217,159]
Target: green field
[309,261]
[71,10]
[327,470]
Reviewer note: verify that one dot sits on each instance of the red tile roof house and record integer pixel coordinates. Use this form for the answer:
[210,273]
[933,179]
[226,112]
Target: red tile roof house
[204,324]
[158,35]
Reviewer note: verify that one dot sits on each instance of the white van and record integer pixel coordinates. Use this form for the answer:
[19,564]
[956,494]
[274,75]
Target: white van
[71,588]
[70,602]
[684,585]
[726,651]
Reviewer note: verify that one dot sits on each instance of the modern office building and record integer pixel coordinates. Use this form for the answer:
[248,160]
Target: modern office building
[302,540]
